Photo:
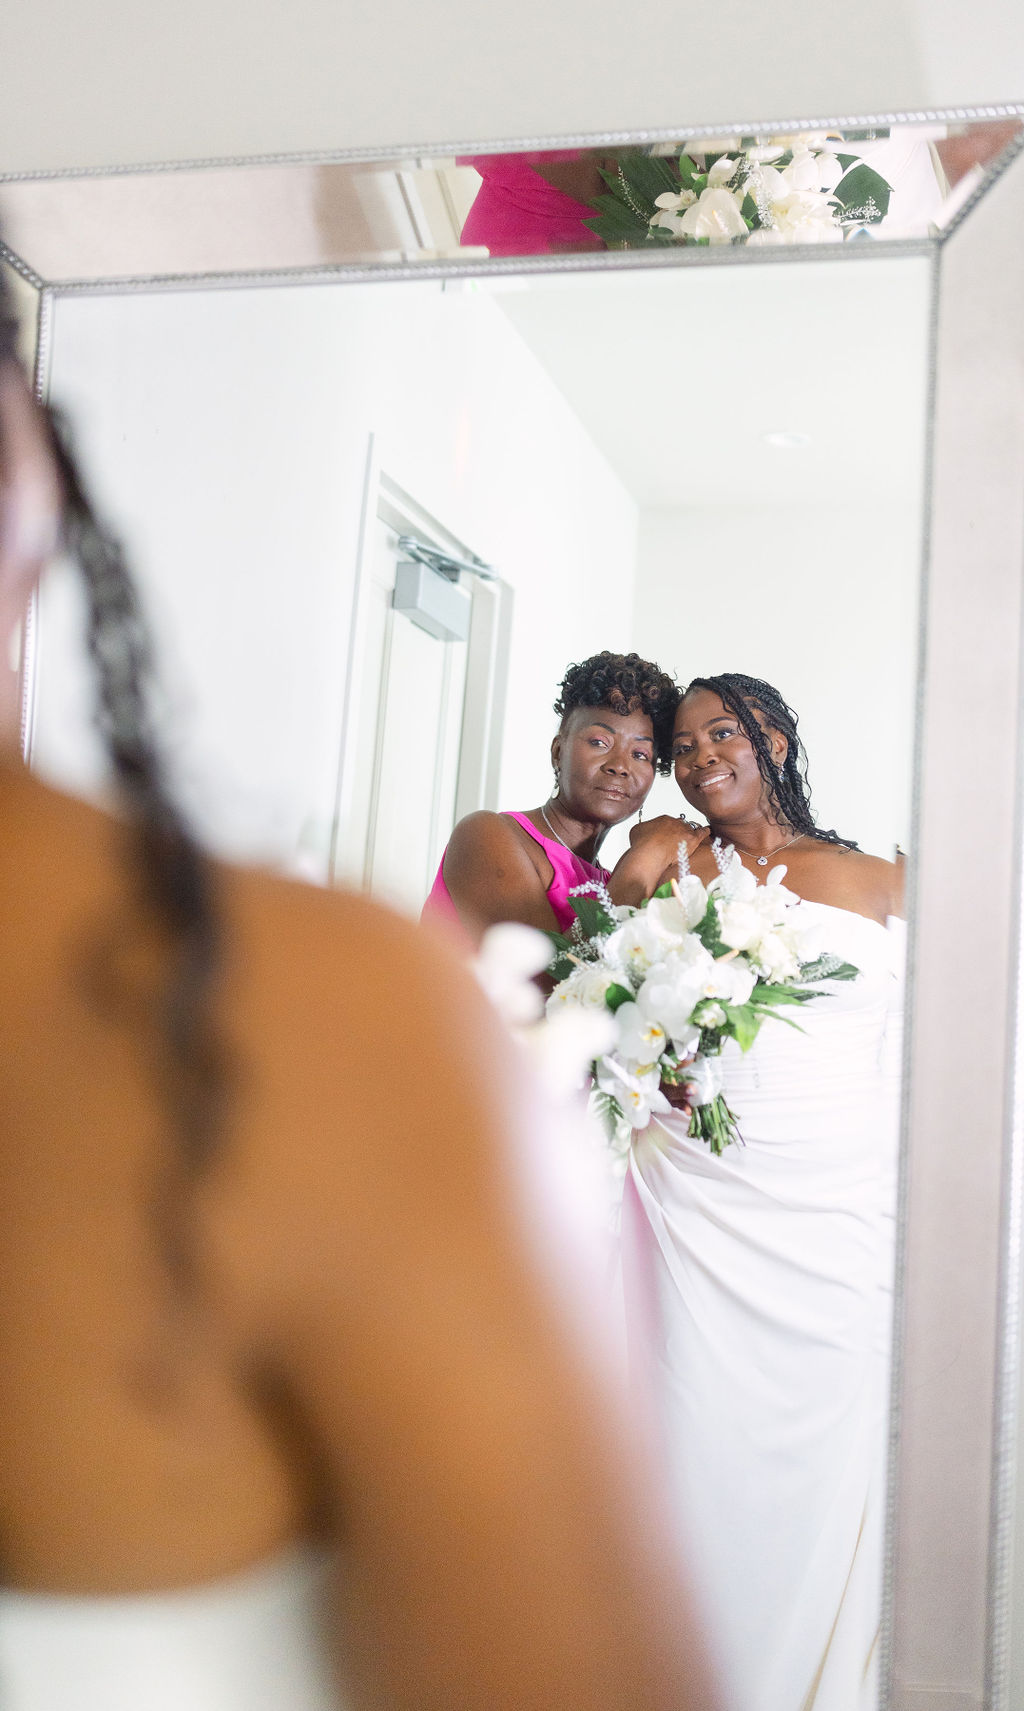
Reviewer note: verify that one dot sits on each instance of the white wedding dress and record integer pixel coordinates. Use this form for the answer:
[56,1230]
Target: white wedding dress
[255,1642]
[762,1280]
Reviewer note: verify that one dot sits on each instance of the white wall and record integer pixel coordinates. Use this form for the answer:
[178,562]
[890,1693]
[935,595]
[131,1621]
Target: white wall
[823,602]
[227,434]
[104,82]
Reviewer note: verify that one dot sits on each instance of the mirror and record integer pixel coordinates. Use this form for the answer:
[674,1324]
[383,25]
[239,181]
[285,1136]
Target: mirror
[720,465]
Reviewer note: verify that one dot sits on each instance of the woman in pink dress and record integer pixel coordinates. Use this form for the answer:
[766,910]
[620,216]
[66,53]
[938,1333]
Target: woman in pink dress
[616,714]
[534,204]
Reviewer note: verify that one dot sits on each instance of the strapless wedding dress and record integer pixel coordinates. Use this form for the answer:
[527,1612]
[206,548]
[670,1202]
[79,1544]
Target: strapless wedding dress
[255,1642]
[764,1279]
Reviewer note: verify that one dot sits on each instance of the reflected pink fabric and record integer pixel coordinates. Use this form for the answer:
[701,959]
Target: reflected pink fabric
[569,870]
[517,212]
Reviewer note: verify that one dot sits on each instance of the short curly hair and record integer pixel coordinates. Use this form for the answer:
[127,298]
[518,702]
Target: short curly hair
[625,683]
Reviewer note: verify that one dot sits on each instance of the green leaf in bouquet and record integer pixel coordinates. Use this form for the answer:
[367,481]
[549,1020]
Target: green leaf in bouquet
[861,187]
[827,968]
[608,1110]
[617,225]
[847,160]
[768,1013]
[708,933]
[663,890]
[674,1073]
[646,175]
[562,964]
[749,211]
[765,993]
[689,172]
[594,919]
[617,995]
[744,1024]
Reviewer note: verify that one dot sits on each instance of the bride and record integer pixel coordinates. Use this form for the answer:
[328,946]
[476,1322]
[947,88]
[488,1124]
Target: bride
[764,1276]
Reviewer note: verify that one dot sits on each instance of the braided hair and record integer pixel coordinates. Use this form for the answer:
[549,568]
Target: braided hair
[170,878]
[788,790]
[627,684]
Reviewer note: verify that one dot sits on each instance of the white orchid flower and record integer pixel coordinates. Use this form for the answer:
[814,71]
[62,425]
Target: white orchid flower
[721,172]
[645,938]
[584,988]
[692,898]
[762,153]
[671,222]
[734,880]
[733,980]
[638,1095]
[776,957]
[564,1047]
[740,924]
[640,1040]
[509,956]
[830,171]
[806,217]
[672,990]
[802,171]
[673,200]
[715,216]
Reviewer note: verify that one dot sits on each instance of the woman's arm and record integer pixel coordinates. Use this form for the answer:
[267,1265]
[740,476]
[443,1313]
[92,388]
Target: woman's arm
[438,1322]
[653,856]
[494,873]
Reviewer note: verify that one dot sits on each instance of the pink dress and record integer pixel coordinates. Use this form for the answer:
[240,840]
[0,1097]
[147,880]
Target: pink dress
[568,870]
[517,212]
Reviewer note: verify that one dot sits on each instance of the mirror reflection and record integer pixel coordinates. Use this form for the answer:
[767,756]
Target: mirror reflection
[769,188]
[377,523]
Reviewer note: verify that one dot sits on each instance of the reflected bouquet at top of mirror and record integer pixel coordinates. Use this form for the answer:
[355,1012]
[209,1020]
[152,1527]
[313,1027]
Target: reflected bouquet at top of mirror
[800,190]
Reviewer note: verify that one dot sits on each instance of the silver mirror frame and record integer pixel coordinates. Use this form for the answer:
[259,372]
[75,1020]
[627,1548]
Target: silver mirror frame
[948,1626]
[957,1369]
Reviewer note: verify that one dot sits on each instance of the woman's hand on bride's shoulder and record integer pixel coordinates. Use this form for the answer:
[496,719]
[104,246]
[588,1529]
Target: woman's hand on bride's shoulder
[653,851]
[669,831]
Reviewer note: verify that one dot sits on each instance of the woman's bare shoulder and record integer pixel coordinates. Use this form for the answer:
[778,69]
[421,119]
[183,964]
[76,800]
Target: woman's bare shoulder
[872,884]
[485,833]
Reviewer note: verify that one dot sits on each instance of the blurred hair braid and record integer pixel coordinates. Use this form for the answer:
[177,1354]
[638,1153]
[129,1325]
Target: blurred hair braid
[171,879]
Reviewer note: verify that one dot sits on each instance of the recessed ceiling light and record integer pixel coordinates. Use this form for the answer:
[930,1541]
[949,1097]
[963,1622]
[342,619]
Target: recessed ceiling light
[788,441]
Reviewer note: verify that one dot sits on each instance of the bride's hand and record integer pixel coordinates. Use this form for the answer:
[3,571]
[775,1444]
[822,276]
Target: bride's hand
[680,1096]
[680,1093]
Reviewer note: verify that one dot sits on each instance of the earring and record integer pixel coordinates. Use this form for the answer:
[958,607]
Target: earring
[640,815]
[781,770]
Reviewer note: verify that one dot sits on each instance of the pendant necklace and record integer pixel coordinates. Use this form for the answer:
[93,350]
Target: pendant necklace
[761,860]
[554,834]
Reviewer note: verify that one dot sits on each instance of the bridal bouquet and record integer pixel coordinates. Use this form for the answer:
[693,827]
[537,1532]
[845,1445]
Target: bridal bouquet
[796,191]
[693,967]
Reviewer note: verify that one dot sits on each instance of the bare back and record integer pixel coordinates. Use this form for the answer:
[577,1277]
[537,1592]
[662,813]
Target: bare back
[383,1352]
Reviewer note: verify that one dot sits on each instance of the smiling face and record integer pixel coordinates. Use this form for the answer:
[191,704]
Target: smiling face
[714,762]
[606,764]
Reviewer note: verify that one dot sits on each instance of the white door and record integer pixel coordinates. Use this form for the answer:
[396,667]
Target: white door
[404,757]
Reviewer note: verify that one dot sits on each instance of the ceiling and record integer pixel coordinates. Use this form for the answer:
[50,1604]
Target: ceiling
[679,377]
